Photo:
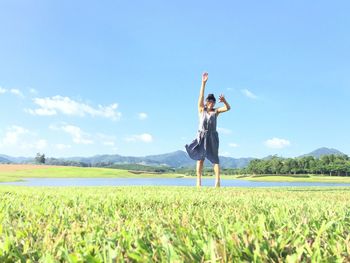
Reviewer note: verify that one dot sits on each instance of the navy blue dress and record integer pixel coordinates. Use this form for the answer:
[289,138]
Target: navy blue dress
[206,144]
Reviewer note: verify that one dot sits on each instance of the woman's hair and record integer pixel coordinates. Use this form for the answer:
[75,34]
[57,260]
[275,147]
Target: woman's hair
[210,97]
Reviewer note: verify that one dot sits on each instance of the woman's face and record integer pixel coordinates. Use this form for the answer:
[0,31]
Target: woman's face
[210,104]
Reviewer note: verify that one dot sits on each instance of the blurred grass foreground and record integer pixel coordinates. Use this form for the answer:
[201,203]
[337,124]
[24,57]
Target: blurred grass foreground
[173,224]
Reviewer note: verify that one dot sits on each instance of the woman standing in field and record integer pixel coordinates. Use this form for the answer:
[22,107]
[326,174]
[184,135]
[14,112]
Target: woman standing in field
[206,145]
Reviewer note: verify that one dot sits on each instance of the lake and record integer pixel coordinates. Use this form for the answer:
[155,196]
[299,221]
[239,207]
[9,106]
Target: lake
[159,182]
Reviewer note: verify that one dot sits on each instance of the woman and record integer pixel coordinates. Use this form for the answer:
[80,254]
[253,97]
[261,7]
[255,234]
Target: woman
[206,145]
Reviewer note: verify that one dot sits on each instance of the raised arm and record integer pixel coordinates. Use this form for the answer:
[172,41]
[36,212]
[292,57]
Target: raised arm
[226,106]
[201,93]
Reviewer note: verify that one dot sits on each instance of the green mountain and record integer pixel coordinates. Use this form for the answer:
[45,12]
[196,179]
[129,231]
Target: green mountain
[177,159]
[4,160]
[323,151]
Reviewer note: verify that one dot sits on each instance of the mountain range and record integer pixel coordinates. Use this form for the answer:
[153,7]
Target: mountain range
[175,159]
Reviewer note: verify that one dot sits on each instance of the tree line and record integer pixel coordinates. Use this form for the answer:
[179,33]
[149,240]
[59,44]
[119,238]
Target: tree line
[326,164]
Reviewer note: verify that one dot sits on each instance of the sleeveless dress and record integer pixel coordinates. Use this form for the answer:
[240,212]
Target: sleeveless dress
[206,144]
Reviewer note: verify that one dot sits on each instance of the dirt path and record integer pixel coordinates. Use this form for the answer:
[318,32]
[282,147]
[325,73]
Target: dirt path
[21,167]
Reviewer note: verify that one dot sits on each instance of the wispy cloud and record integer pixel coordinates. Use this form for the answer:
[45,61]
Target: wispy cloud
[277,143]
[106,140]
[13,134]
[144,137]
[249,94]
[78,136]
[33,91]
[224,130]
[225,154]
[54,105]
[21,138]
[15,92]
[233,145]
[38,145]
[82,137]
[142,115]
[61,146]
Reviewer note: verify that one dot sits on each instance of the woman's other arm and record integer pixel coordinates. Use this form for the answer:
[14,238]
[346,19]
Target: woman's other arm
[226,106]
[201,93]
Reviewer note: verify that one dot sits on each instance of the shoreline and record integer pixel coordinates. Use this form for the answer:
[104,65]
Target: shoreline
[16,173]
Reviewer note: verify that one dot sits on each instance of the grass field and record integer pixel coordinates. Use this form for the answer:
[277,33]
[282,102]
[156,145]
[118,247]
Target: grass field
[17,172]
[10,173]
[174,224]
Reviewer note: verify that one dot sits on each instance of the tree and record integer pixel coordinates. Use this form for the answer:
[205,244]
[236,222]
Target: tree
[40,158]
[276,165]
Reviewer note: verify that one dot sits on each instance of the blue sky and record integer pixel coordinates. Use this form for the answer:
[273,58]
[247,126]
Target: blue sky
[79,78]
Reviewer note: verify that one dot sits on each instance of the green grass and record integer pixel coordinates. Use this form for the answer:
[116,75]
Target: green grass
[77,172]
[174,224]
[81,172]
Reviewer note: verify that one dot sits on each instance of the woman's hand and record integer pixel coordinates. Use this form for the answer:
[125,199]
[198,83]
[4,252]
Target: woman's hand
[226,107]
[205,77]
[222,98]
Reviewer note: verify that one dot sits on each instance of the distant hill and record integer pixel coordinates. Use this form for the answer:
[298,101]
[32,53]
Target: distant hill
[229,162]
[4,160]
[323,151]
[269,157]
[16,159]
[177,159]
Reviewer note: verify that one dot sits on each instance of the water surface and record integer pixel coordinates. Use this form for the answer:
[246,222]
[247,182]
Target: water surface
[160,182]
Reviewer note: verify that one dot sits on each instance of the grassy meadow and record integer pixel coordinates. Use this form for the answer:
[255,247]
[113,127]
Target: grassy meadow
[11,173]
[174,224]
[18,172]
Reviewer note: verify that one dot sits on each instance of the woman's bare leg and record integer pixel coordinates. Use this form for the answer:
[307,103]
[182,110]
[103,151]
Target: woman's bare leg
[217,174]
[199,172]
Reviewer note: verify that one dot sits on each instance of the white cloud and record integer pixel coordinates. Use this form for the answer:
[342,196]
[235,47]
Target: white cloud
[277,143]
[61,146]
[225,154]
[33,91]
[108,143]
[2,90]
[41,112]
[145,137]
[64,105]
[224,130]
[106,140]
[39,145]
[233,145]
[17,137]
[78,136]
[17,92]
[13,135]
[249,94]
[81,137]
[142,115]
